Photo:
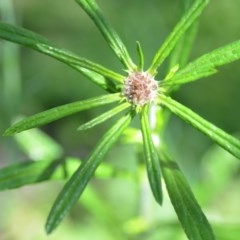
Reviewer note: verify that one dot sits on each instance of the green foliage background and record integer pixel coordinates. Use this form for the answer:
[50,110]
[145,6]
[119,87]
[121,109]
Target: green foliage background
[46,83]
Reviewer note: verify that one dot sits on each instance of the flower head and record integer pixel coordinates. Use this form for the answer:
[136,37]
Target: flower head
[140,88]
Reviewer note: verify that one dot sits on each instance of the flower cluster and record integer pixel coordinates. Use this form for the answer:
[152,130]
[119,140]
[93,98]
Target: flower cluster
[140,88]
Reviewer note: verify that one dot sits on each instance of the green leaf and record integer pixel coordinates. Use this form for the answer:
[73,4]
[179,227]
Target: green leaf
[75,61]
[206,65]
[189,213]
[56,113]
[105,116]
[181,51]
[75,186]
[151,157]
[103,82]
[186,21]
[22,36]
[29,172]
[32,172]
[37,42]
[110,35]
[223,139]
[141,57]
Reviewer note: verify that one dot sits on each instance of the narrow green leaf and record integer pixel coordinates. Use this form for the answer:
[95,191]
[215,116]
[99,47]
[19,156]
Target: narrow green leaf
[40,44]
[103,82]
[32,172]
[22,36]
[206,65]
[110,35]
[105,116]
[186,21]
[181,52]
[141,56]
[151,157]
[189,213]
[223,139]
[75,186]
[56,113]
[74,61]
[29,172]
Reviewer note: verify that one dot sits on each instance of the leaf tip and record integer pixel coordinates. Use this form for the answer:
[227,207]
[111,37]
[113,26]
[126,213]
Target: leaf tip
[158,195]
[83,127]
[80,128]
[50,225]
[48,228]
[8,132]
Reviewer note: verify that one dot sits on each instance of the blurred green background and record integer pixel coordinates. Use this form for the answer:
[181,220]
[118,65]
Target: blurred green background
[38,82]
